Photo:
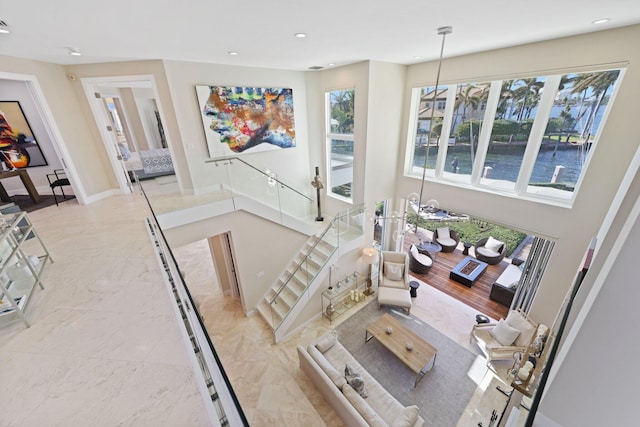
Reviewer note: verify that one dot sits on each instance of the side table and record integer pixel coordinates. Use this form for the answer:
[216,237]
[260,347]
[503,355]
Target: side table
[413,288]
[466,245]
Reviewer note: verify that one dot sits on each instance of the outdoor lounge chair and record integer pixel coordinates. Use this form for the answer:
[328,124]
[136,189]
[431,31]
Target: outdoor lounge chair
[490,250]
[446,238]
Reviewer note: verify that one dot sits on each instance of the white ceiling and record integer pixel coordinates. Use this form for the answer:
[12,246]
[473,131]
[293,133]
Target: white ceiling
[339,31]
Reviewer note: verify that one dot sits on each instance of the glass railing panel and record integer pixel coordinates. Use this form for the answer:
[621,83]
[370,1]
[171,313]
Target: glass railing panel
[225,404]
[264,186]
[350,225]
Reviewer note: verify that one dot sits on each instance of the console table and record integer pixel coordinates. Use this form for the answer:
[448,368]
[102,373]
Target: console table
[26,180]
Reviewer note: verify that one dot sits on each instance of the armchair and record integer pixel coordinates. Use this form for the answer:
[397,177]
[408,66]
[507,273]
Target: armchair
[500,341]
[393,286]
[419,262]
[490,250]
[446,238]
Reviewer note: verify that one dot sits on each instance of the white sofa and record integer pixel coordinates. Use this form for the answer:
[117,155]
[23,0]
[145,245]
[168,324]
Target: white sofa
[324,362]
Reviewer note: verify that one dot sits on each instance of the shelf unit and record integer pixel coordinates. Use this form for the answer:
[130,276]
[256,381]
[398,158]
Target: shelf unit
[344,295]
[23,257]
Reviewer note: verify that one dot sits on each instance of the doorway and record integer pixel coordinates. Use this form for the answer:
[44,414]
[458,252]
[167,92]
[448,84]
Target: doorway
[23,88]
[129,116]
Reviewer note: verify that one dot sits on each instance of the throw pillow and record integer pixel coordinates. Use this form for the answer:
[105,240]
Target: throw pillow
[493,244]
[355,380]
[414,251]
[327,341]
[393,270]
[407,417]
[443,232]
[517,320]
[514,284]
[504,333]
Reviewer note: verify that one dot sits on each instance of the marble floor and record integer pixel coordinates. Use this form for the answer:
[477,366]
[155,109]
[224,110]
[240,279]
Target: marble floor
[270,386]
[104,345]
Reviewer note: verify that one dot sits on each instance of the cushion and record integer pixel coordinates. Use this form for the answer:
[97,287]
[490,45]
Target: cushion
[393,270]
[504,333]
[443,232]
[493,244]
[407,417]
[517,320]
[363,408]
[514,284]
[333,374]
[414,251]
[355,380]
[327,341]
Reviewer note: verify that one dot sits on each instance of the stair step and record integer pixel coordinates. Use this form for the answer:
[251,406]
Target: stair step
[265,311]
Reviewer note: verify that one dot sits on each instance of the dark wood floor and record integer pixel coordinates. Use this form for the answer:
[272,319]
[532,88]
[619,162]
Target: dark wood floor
[476,296]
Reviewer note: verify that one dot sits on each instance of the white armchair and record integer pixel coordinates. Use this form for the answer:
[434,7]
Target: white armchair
[500,341]
[393,285]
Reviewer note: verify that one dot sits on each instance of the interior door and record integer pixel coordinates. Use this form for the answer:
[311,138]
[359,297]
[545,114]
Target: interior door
[120,133]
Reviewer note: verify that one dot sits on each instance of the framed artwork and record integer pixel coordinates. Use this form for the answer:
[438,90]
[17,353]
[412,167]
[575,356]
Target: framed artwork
[246,119]
[18,146]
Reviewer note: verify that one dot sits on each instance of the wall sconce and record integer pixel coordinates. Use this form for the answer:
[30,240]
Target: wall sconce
[369,256]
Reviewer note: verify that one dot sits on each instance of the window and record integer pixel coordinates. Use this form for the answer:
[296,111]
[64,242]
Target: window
[468,116]
[574,122]
[515,113]
[537,134]
[340,118]
[421,148]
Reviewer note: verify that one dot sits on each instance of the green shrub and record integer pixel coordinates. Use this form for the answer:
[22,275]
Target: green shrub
[471,232]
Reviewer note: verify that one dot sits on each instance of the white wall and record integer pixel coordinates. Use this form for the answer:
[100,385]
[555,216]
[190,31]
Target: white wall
[572,229]
[262,249]
[291,163]
[596,383]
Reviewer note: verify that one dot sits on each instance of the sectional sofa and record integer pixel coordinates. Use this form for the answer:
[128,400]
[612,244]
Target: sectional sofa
[324,362]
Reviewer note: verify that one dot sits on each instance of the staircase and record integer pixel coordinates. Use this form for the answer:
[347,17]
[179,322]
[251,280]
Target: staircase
[302,277]
[294,280]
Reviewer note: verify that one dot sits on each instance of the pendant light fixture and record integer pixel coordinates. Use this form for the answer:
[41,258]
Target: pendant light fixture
[432,205]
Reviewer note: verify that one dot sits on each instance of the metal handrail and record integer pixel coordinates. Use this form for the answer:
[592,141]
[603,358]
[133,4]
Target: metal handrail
[315,244]
[221,159]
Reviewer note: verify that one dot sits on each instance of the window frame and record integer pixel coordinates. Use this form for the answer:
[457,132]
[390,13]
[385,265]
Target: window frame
[521,188]
[329,136]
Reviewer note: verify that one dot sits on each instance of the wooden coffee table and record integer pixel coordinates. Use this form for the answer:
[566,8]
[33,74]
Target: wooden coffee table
[422,355]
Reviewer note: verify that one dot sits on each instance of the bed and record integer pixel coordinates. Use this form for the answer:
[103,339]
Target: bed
[148,164]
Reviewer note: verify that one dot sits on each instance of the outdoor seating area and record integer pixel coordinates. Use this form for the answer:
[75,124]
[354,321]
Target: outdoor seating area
[437,273]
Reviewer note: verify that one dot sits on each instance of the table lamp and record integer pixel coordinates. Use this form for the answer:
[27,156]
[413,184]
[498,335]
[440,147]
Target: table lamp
[370,256]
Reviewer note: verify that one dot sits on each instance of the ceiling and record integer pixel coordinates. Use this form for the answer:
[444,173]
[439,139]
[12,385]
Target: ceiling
[262,32]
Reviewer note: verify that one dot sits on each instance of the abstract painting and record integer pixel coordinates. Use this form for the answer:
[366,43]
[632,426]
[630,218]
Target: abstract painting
[246,119]
[18,147]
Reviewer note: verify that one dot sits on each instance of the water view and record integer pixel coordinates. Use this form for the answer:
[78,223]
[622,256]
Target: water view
[506,164]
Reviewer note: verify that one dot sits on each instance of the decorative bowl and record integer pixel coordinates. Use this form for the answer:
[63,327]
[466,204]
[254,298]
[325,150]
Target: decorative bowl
[409,345]
[389,330]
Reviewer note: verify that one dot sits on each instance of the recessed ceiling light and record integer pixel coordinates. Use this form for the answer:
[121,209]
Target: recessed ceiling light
[417,57]
[300,35]
[233,53]
[331,64]
[601,21]
[74,51]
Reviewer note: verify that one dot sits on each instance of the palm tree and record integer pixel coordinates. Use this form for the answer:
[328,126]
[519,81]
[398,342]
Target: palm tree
[599,84]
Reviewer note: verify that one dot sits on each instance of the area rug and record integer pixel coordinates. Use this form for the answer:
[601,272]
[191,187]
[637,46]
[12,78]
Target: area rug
[443,393]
